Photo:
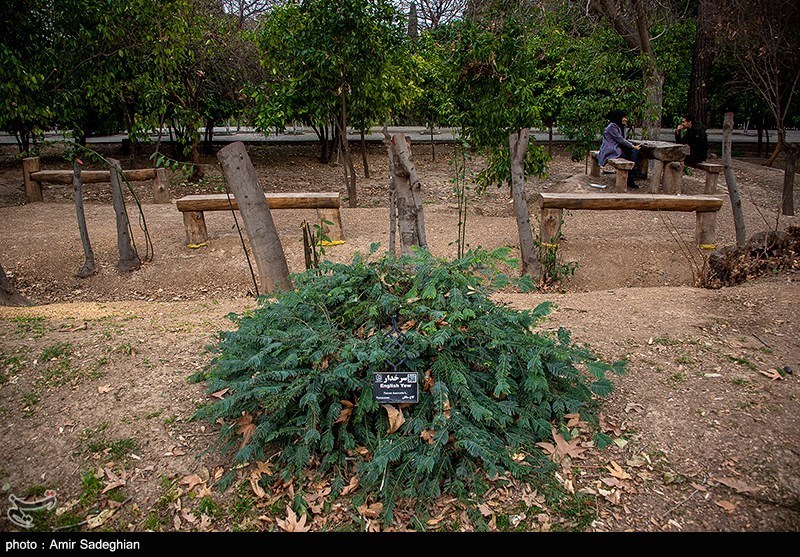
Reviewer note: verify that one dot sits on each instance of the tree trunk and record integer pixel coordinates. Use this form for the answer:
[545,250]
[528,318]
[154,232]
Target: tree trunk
[128,258]
[791,151]
[352,198]
[410,216]
[88,268]
[518,143]
[730,179]
[702,60]
[264,240]
[364,155]
[775,152]
[9,295]
[392,196]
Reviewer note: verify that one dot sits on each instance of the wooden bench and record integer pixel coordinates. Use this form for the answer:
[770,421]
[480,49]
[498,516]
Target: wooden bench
[33,178]
[552,207]
[712,172]
[193,207]
[622,166]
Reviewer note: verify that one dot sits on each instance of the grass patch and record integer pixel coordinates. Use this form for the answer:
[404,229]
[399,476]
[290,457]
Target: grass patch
[125,348]
[209,507]
[676,378]
[743,362]
[29,326]
[91,487]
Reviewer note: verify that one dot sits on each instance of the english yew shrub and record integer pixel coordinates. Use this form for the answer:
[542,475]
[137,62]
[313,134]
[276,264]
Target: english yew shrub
[299,375]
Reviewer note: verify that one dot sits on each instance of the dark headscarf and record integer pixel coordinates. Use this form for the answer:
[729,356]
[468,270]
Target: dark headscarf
[616,117]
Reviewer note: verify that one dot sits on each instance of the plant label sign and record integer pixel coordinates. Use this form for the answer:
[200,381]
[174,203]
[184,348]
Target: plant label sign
[397,386]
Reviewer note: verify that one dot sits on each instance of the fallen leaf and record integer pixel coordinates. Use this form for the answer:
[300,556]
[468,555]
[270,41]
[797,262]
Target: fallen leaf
[617,471]
[346,412]
[436,520]
[563,448]
[772,374]
[100,519]
[218,472]
[633,407]
[205,522]
[113,485]
[608,425]
[370,511]
[698,487]
[738,485]
[485,510]
[254,485]
[428,435]
[292,524]
[264,467]
[188,517]
[103,389]
[176,522]
[191,481]
[246,428]
[219,394]
[428,385]
[574,420]
[729,506]
[407,325]
[349,488]
[396,418]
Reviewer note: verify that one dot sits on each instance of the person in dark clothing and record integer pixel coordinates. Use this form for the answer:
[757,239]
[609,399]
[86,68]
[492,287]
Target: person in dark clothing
[692,133]
[615,145]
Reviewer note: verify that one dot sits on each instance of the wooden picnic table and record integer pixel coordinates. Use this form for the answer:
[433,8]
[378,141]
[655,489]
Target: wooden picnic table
[663,154]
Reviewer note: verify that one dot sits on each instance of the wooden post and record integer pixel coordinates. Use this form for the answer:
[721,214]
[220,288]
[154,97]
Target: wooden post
[730,179]
[595,168]
[705,229]
[195,224]
[128,258]
[550,225]
[264,240]
[333,231]
[658,172]
[33,189]
[161,186]
[672,178]
[711,183]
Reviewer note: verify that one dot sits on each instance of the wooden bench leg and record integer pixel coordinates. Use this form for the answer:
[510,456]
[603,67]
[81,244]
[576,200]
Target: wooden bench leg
[333,231]
[594,168]
[195,224]
[33,189]
[621,180]
[705,231]
[161,186]
[672,178]
[655,179]
[550,226]
[711,183]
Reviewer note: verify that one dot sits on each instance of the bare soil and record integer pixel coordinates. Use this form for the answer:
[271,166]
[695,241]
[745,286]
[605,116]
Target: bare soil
[93,377]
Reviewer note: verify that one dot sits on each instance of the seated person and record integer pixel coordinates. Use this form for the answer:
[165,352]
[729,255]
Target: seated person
[692,133]
[616,146]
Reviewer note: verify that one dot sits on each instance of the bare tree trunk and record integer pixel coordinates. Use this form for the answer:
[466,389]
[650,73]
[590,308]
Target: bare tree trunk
[9,295]
[778,146]
[392,193]
[730,178]
[364,155]
[702,60]
[264,240]
[410,216]
[518,143]
[128,258]
[352,198]
[791,151]
[88,268]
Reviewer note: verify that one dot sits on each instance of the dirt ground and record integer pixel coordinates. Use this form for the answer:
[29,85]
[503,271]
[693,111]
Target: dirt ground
[96,405]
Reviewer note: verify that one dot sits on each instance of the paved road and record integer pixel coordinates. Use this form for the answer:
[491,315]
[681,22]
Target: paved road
[420,133]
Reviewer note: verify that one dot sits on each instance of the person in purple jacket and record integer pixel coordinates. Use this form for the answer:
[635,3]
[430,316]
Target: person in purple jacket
[616,146]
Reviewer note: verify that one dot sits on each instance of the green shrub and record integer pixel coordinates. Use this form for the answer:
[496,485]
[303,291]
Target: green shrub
[493,386]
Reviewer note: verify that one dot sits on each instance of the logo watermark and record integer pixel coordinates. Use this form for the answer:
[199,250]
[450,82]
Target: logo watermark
[18,513]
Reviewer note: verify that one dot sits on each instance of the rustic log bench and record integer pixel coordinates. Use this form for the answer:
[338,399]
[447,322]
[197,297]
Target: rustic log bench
[712,172]
[33,178]
[193,206]
[622,166]
[552,207]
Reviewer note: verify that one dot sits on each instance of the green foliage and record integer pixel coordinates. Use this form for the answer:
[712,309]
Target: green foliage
[299,372]
[317,51]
